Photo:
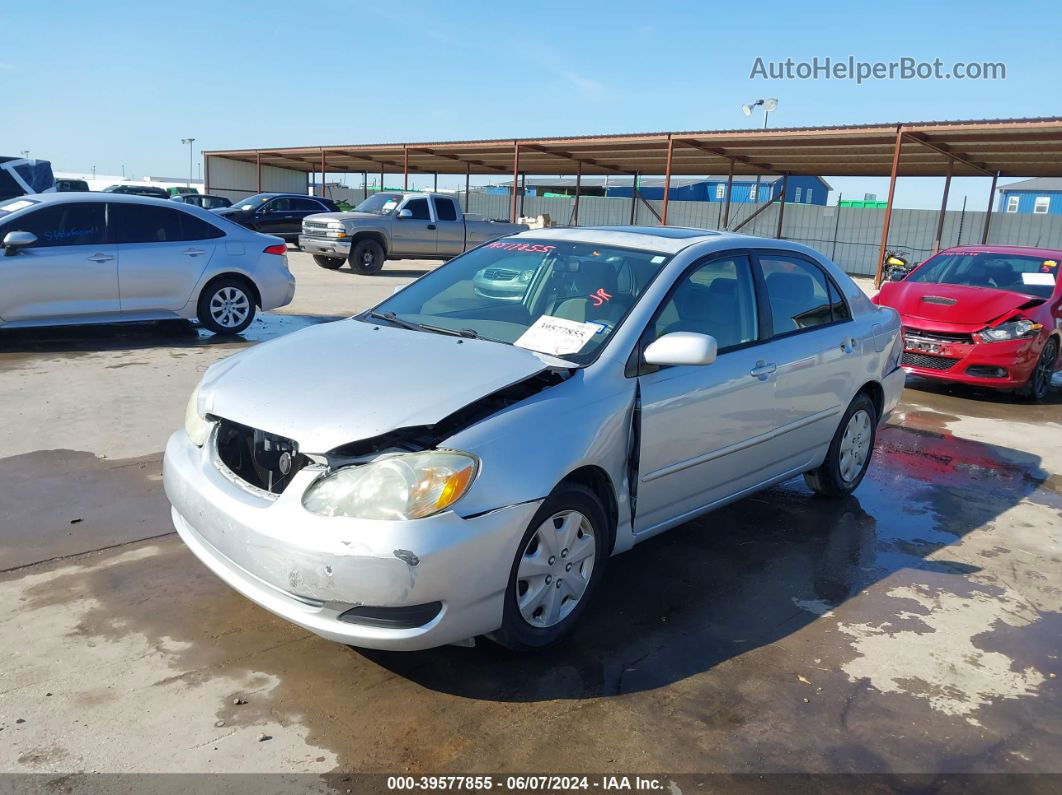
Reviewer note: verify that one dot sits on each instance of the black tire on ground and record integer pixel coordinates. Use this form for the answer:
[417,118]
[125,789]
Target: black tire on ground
[226,306]
[329,263]
[1038,387]
[367,257]
[829,480]
[516,632]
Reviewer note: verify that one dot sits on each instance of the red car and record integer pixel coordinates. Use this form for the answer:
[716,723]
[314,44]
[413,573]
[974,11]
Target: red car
[983,315]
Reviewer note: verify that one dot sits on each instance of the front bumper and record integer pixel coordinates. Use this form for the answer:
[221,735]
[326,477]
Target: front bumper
[310,569]
[325,247]
[999,365]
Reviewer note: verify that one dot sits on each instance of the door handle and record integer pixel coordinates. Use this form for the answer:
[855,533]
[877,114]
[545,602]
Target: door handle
[431,226]
[101,258]
[762,370]
[193,252]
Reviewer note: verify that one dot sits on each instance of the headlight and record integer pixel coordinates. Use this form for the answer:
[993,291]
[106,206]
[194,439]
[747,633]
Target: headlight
[1015,329]
[197,428]
[336,230]
[402,487]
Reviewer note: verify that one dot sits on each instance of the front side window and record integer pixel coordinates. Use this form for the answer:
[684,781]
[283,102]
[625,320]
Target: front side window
[1012,204]
[716,298]
[419,208]
[1019,274]
[1043,203]
[798,293]
[66,224]
[445,210]
[500,290]
[278,206]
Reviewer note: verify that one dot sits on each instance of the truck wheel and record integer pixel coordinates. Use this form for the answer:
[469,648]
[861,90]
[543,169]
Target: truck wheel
[367,257]
[329,263]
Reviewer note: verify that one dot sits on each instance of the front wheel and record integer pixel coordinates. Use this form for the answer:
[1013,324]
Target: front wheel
[559,562]
[1038,387]
[850,450]
[226,306]
[329,263]
[367,257]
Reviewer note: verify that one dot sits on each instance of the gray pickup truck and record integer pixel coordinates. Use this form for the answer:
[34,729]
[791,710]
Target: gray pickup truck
[397,226]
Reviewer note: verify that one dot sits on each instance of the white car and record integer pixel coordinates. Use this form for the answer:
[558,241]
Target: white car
[447,465]
[71,258]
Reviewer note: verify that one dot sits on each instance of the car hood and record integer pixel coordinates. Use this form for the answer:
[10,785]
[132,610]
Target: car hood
[341,382]
[345,216]
[951,303]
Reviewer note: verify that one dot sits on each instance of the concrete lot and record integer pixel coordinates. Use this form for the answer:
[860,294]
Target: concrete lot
[914,627]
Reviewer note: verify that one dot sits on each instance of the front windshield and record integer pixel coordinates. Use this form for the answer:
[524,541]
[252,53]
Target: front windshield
[379,204]
[253,202]
[556,297]
[1017,273]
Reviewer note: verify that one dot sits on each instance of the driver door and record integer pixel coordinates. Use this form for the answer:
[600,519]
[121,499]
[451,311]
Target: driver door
[701,425]
[417,235]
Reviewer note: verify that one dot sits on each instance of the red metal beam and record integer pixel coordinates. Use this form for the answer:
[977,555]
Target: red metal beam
[888,206]
[951,154]
[988,212]
[667,179]
[943,209]
[516,178]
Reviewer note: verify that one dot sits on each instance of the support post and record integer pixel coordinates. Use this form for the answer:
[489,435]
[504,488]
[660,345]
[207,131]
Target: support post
[988,212]
[324,181]
[943,207]
[667,178]
[523,192]
[888,207]
[435,183]
[781,206]
[578,190]
[364,185]
[258,170]
[729,190]
[381,178]
[516,180]
[206,175]
[405,168]
[468,193]
[836,225]
[634,198]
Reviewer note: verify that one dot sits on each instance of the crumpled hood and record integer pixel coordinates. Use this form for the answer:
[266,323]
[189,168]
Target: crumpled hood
[950,303]
[340,382]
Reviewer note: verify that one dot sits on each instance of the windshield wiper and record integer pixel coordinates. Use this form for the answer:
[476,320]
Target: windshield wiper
[391,317]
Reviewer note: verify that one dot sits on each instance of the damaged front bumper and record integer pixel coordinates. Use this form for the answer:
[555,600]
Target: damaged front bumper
[312,569]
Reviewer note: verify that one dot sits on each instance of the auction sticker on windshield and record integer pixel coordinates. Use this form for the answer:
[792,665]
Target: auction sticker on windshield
[557,335]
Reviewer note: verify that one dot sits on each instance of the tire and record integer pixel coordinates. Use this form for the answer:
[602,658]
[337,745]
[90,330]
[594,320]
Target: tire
[226,306]
[1038,387]
[578,512]
[850,451]
[367,257]
[329,263]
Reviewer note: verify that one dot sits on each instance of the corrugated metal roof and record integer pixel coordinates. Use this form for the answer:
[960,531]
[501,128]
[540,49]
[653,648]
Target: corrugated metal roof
[1039,183]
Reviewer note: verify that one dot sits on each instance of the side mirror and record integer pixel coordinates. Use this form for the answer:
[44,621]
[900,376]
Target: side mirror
[405,214]
[682,347]
[13,241]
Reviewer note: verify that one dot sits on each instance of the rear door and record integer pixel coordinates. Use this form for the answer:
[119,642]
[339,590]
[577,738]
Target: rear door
[71,271]
[300,208]
[701,425]
[450,225]
[813,350]
[417,235]
[162,253]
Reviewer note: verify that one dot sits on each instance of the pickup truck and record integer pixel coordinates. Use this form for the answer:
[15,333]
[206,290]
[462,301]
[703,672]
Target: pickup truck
[392,225]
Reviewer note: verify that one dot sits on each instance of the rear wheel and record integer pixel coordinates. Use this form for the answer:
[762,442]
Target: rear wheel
[559,562]
[850,450]
[330,263]
[226,306]
[367,257]
[1038,387]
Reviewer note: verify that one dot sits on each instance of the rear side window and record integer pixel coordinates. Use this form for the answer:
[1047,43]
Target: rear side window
[73,224]
[143,223]
[798,292]
[307,206]
[419,208]
[444,208]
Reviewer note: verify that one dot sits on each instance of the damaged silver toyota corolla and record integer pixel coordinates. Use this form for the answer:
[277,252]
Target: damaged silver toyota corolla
[451,464]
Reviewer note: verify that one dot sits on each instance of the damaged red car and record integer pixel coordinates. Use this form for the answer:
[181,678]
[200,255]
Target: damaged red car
[982,315]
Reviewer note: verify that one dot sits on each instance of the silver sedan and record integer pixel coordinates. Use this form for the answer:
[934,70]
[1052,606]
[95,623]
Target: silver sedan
[499,452]
[109,258]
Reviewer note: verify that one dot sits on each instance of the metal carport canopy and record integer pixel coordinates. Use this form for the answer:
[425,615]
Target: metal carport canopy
[1009,147]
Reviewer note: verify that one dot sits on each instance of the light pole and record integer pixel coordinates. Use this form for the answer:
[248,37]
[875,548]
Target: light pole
[189,141]
[768,106]
[25,153]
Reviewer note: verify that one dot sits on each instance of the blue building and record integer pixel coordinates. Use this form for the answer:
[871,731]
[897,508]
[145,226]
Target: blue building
[1040,196]
[800,190]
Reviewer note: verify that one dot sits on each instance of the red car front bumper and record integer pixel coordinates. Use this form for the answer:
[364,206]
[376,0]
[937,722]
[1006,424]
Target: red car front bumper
[959,358]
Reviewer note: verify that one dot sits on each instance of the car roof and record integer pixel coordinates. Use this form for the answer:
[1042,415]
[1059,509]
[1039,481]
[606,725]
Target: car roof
[99,196]
[1028,251]
[665,239]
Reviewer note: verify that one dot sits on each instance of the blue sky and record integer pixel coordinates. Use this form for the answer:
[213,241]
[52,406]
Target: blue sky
[113,84]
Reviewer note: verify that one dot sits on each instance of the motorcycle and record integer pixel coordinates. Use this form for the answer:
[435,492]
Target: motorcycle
[896,265]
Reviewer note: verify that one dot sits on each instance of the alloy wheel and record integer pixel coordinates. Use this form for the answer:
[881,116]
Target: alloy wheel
[229,307]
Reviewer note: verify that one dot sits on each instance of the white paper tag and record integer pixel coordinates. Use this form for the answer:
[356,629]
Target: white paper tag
[1043,279]
[557,335]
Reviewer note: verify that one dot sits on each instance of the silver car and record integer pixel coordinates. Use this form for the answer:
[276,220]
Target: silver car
[499,453]
[108,257]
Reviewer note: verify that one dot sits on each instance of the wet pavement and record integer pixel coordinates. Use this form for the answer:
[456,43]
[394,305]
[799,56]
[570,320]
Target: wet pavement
[914,627]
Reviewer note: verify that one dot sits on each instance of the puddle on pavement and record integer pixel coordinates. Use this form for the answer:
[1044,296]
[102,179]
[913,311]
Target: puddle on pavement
[704,627]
